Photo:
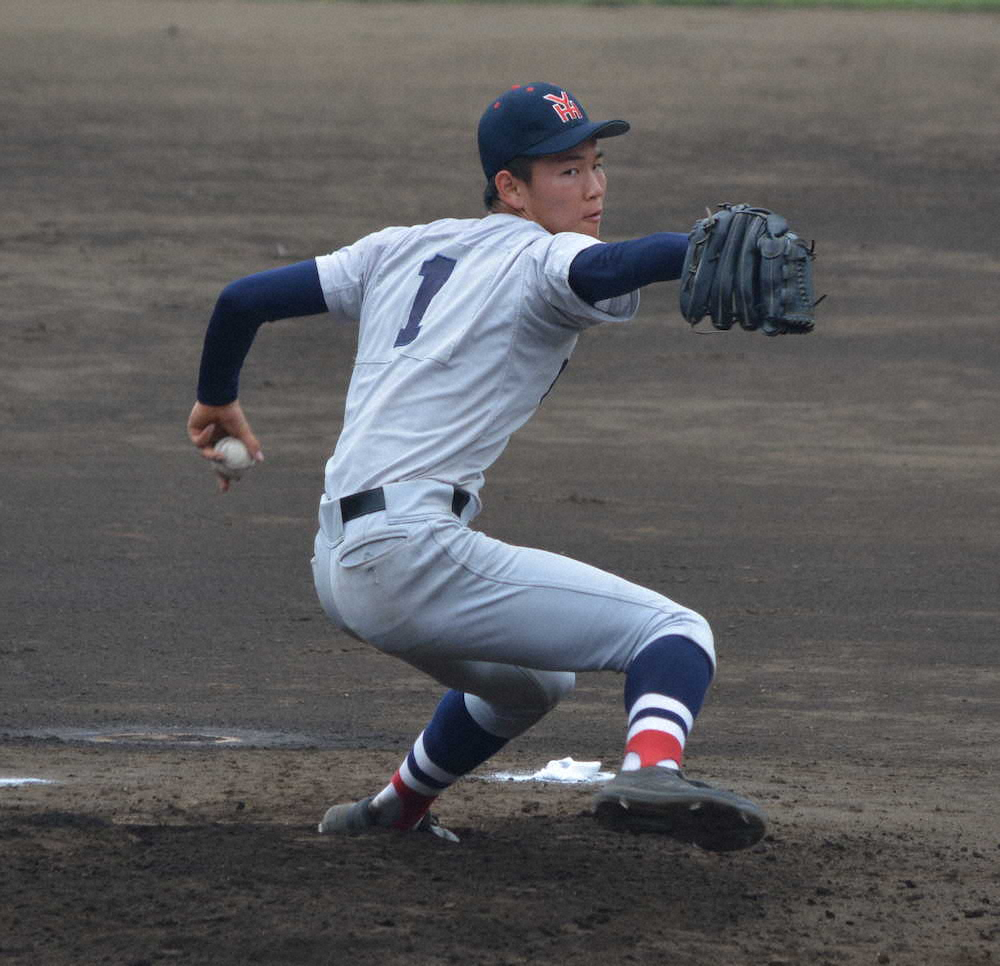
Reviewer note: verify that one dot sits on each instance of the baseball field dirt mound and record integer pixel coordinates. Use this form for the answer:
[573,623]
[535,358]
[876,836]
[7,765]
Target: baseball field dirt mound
[830,502]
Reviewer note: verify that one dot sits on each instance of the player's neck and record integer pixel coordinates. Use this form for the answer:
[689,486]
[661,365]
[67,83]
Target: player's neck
[502,208]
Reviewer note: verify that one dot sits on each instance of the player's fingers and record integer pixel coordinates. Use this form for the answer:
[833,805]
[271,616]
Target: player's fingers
[204,429]
[232,422]
[201,437]
[199,417]
[251,443]
[206,444]
[208,424]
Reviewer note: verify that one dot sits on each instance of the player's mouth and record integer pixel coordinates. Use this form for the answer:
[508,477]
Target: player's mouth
[594,216]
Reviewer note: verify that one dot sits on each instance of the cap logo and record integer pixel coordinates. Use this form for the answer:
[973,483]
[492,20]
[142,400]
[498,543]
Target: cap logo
[564,106]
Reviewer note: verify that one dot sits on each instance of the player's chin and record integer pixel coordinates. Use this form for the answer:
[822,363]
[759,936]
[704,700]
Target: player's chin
[590,226]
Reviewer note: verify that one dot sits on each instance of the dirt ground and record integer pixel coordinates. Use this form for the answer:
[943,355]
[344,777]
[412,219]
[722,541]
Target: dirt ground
[830,502]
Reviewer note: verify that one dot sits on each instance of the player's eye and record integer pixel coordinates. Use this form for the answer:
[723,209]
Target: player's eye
[572,171]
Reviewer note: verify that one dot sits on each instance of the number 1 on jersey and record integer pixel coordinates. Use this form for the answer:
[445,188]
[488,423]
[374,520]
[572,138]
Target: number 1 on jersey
[435,271]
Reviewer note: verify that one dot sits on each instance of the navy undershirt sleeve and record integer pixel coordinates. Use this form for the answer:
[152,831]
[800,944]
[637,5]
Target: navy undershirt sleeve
[604,271]
[242,307]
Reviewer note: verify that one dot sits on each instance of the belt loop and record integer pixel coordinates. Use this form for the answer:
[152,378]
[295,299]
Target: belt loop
[459,502]
[330,520]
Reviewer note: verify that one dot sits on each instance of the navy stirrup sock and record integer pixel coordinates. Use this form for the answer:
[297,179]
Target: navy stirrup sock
[665,686]
[450,746]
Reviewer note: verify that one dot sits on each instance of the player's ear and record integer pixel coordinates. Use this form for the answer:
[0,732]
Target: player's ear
[509,189]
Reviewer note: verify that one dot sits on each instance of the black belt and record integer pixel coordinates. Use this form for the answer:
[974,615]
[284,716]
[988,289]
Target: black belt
[371,501]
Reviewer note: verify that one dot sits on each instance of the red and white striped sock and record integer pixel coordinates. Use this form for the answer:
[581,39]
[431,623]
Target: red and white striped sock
[405,806]
[412,789]
[450,746]
[665,686]
[658,729]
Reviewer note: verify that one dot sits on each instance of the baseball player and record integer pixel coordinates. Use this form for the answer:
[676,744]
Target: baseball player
[464,326]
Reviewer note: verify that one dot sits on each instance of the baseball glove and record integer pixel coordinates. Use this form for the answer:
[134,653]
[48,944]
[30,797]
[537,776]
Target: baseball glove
[744,265]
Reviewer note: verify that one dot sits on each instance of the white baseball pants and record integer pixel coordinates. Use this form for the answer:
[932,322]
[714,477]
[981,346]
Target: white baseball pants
[506,624]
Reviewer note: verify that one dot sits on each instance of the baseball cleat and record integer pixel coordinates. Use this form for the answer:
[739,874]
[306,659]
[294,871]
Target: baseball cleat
[354,818]
[662,800]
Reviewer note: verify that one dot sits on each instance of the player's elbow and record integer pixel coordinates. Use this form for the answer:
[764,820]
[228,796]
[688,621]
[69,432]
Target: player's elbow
[236,300]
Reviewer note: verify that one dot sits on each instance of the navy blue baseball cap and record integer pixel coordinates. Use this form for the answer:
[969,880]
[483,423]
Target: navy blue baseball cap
[535,119]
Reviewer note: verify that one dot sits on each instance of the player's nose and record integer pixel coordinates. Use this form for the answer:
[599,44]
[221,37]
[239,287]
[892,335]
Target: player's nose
[595,185]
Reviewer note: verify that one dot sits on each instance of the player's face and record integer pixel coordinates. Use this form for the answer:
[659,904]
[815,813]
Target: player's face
[567,191]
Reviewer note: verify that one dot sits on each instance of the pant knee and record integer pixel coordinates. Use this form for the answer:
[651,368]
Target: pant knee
[552,687]
[691,625]
[515,711]
[702,636]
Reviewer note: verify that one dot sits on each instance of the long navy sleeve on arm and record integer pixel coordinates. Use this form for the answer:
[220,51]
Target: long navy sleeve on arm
[604,271]
[242,307]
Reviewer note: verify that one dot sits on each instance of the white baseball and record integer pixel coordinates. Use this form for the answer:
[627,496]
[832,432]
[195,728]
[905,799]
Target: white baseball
[236,458]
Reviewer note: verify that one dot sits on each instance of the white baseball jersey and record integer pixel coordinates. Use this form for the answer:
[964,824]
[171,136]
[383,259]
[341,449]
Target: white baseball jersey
[464,327]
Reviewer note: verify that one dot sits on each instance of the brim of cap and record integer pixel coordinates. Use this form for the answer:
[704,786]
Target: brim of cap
[573,136]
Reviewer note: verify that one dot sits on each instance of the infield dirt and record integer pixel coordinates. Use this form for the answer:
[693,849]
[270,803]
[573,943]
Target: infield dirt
[831,503]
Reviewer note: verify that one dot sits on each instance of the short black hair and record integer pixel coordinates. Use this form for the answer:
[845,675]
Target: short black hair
[520,167]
